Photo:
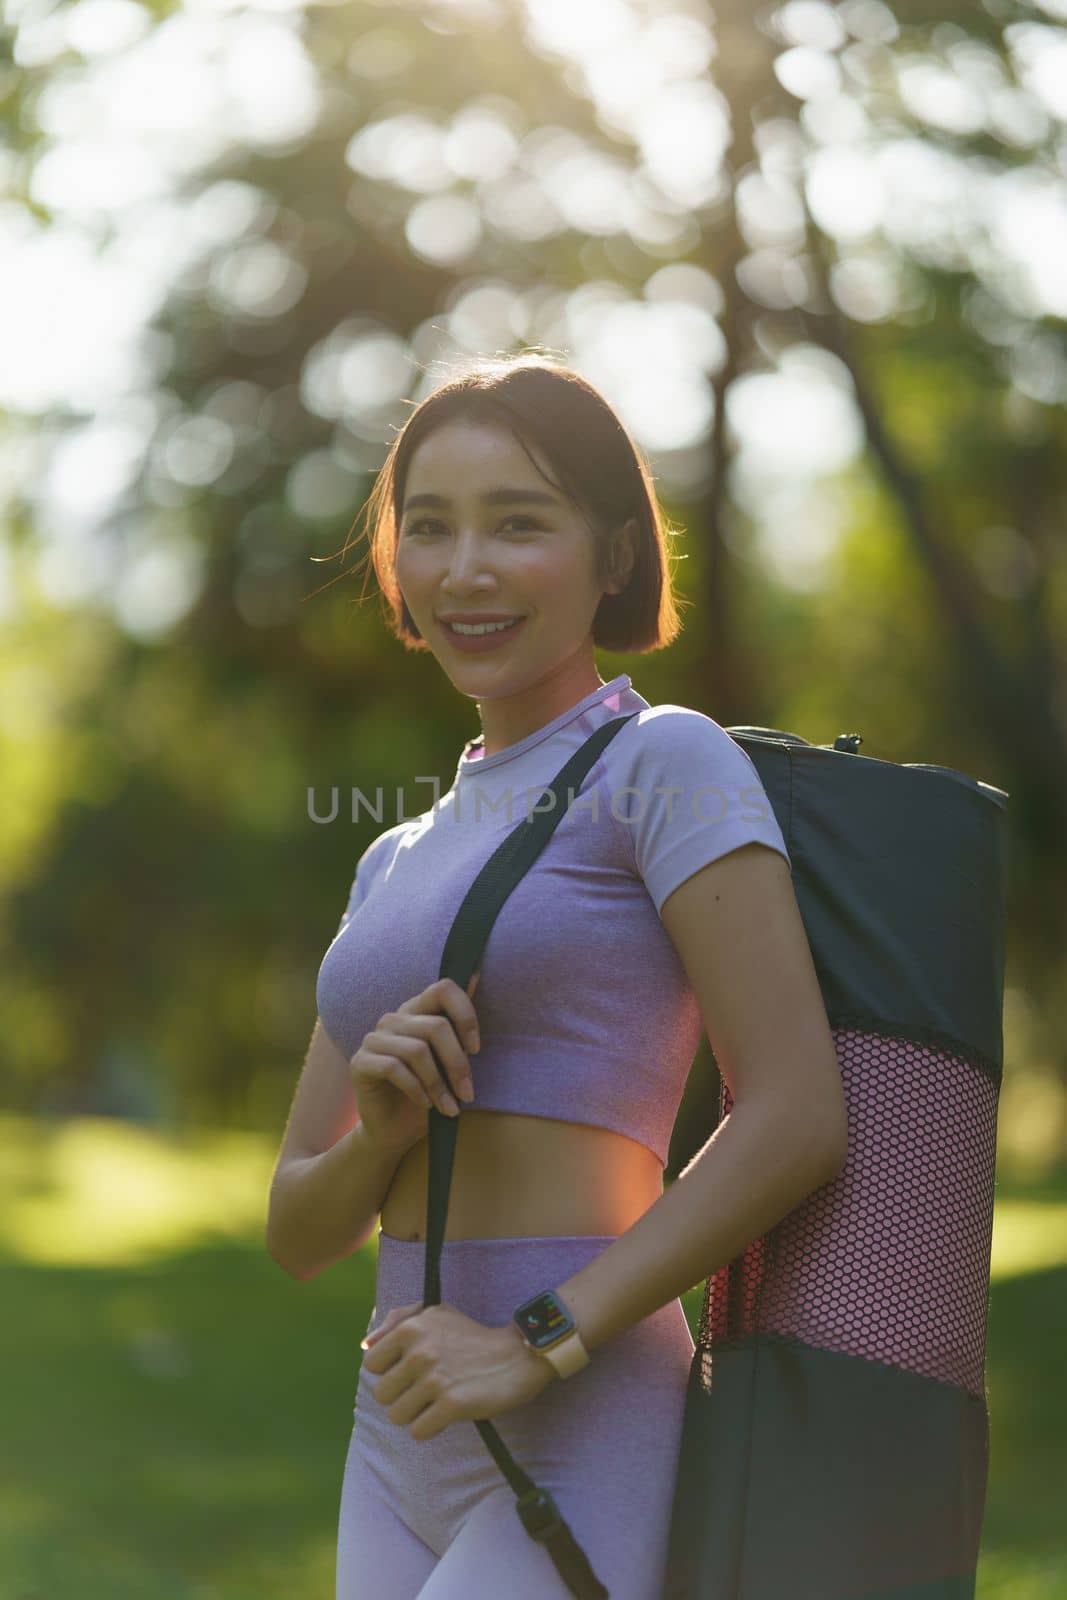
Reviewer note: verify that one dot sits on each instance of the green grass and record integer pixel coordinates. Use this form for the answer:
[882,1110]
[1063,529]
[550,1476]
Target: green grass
[176,1431]
[176,1410]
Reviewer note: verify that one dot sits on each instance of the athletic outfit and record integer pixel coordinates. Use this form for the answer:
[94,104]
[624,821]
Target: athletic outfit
[585,1014]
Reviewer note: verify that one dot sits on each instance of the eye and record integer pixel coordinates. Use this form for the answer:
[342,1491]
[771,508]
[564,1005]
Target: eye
[524,522]
[429,523]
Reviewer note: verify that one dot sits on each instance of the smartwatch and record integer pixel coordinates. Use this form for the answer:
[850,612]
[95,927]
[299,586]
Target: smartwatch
[548,1327]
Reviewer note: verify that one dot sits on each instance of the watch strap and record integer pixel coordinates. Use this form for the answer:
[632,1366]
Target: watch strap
[569,1356]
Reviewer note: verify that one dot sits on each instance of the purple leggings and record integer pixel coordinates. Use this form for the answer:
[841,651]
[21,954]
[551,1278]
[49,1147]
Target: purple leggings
[435,1518]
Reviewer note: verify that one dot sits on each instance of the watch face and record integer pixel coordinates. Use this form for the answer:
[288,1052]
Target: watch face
[543,1320]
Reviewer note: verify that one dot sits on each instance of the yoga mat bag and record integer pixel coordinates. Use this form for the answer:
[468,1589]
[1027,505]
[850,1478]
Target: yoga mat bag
[835,1442]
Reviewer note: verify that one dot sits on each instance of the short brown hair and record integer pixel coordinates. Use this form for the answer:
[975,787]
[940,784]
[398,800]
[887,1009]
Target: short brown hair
[600,470]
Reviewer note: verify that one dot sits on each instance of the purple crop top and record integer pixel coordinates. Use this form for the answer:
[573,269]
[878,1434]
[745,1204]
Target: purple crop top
[584,1007]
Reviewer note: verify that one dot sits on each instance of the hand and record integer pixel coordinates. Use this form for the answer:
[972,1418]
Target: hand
[438,1366]
[411,1060]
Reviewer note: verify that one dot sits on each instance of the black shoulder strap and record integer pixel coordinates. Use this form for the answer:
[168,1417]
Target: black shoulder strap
[510,862]
[512,859]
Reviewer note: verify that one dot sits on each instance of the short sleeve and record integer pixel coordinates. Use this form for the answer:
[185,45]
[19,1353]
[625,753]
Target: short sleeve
[694,795]
[367,869]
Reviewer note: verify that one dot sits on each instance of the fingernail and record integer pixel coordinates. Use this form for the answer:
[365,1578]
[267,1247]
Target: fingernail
[466,1091]
[450,1105]
[473,1042]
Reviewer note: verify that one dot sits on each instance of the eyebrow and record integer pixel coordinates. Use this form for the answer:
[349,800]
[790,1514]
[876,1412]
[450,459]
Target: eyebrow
[493,497]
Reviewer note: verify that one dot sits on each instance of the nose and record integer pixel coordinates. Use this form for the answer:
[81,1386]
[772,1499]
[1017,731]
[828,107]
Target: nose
[466,564]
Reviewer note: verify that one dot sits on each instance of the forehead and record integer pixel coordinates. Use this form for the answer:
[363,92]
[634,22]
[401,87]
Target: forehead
[465,457]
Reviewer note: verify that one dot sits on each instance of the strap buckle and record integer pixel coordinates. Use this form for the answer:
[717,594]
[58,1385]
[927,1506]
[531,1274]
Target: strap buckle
[539,1513]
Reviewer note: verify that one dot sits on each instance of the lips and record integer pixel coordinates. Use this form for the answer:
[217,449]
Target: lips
[478,643]
[475,621]
[495,625]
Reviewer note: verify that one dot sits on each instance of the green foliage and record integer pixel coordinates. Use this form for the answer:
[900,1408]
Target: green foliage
[164,895]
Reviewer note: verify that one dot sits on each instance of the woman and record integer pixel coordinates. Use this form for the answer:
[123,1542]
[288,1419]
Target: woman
[662,903]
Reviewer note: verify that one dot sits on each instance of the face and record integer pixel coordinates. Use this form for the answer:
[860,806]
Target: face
[531,557]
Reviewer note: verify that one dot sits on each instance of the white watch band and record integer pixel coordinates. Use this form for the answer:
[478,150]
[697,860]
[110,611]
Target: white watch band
[569,1356]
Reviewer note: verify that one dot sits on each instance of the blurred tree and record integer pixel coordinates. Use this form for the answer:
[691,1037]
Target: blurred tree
[834,183]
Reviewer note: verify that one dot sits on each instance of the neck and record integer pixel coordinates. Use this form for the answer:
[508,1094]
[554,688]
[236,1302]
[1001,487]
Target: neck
[509,718]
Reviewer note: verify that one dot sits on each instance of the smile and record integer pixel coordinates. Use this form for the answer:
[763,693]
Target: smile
[491,639]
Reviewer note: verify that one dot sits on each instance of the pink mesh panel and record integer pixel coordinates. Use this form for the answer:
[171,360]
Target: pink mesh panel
[890,1260]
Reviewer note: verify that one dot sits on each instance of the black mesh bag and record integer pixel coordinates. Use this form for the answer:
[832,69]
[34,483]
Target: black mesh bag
[835,1443]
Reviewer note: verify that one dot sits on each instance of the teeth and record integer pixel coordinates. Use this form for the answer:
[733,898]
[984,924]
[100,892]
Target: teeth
[481,627]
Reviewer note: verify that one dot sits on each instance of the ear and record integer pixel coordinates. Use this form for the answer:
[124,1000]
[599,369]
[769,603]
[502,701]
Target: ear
[623,555]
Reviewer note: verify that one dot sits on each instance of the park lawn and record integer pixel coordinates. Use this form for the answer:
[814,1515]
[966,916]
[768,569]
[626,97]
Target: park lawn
[177,1410]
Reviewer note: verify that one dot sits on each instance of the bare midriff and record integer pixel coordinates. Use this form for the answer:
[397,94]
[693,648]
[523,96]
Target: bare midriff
[527,1177]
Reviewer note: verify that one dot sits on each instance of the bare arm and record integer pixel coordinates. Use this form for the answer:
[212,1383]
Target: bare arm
[737,927]
[331,1179]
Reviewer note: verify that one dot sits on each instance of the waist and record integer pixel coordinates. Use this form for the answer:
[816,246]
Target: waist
[487,1278]
[517,1176]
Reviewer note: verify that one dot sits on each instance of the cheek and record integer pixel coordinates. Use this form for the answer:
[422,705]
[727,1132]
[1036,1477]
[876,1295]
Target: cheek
[551,572]
[408,568]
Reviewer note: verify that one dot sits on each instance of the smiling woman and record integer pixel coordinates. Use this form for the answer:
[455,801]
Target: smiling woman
[543,509]
[514,495]
[468,563]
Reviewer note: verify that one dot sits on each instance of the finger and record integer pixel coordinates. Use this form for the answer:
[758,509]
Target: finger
[396,1071]
[381,1356]
[390,1321]
[451,1057]
[429,1423]
[457,1005]
[397,1314]
[412,1405]
[460,1028]
[416,1050]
